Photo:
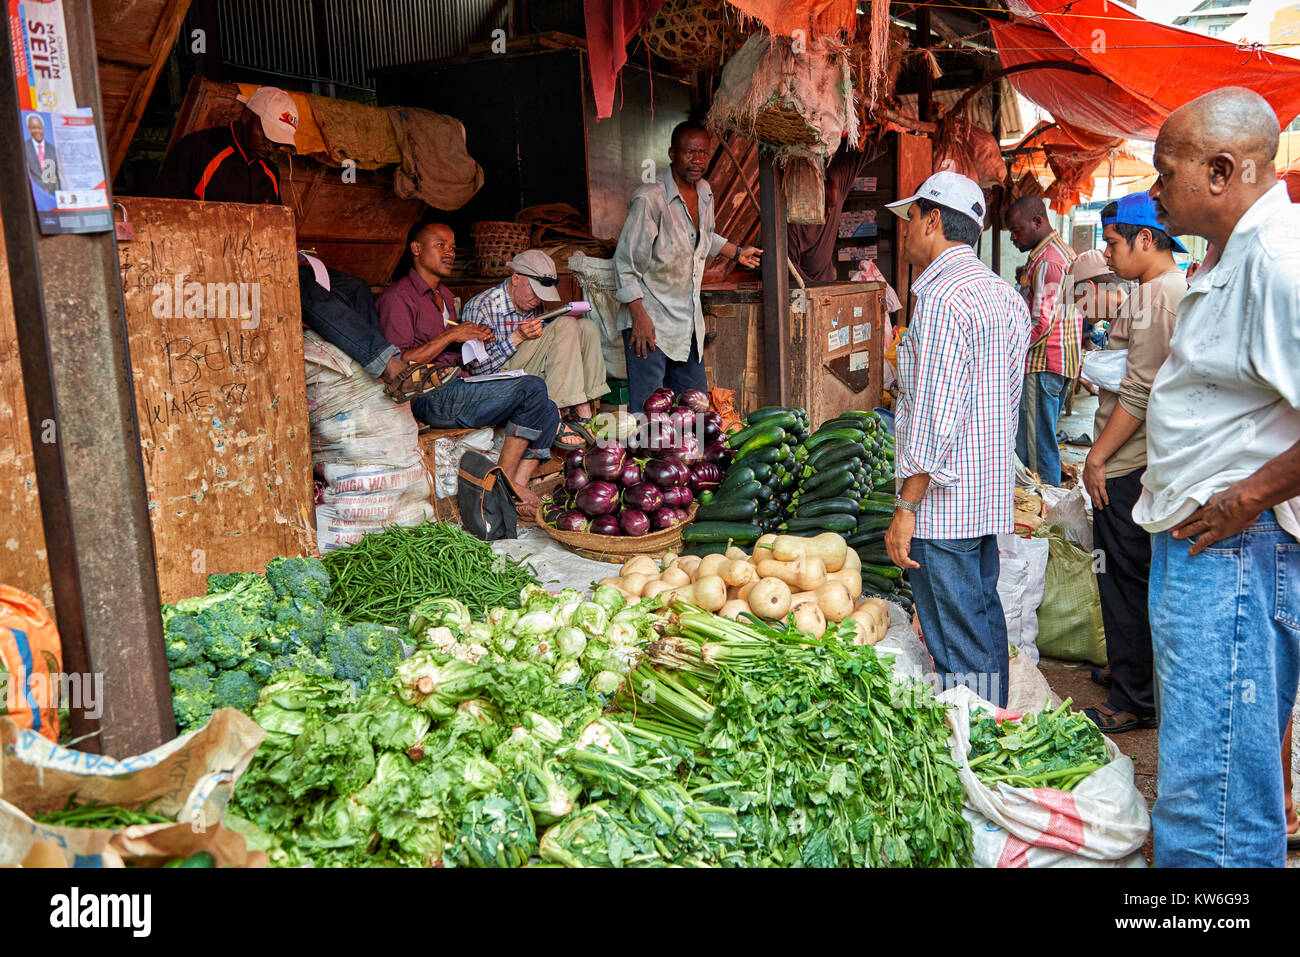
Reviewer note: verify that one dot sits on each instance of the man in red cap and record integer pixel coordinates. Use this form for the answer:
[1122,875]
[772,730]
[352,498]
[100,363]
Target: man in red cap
[233,163]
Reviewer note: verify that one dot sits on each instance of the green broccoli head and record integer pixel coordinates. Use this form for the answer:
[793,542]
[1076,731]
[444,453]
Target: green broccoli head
[299,623]
[243,588]
[184,638]
[304,578]
[303,661]
[364,653]
[235,689]
[192,696]
[259,667]
[229,631]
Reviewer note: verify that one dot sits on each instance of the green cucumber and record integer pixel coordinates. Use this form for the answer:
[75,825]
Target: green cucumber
[821,523]
[732,510]
[830,506]
[742,533]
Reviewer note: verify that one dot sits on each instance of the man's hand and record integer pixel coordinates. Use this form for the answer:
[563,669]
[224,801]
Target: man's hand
[466,331]
[1225,514]
[751,257]
[898,539]
[1094,480]
[643,331]
[531,328]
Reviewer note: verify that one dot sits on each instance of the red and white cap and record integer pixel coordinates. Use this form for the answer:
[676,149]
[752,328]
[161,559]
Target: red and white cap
[278,113]
[948,189]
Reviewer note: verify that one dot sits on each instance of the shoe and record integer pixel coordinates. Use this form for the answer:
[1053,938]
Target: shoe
[1105,720]
[1101,676]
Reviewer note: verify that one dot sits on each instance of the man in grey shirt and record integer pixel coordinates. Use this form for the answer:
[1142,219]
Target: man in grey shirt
[659,266]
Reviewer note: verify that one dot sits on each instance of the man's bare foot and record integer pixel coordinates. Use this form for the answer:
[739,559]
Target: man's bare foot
[583,411]
[395,365]
[528,499]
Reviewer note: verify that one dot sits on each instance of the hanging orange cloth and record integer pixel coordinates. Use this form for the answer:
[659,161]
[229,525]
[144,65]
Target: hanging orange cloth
[785,16]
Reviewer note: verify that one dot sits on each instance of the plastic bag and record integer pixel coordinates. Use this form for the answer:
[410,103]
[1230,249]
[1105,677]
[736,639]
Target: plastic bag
[1103,822]
[31,663]
[1021,577]
[1069,619]
[1070,510]
[1105,368]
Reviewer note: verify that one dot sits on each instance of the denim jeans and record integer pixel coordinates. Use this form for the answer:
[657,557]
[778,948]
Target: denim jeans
[657,370]
[520,402]
[956,592]
[345,316]
[1225,630]
[1040,408]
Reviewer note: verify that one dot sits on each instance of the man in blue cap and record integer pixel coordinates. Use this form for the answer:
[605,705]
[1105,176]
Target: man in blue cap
[1137,249]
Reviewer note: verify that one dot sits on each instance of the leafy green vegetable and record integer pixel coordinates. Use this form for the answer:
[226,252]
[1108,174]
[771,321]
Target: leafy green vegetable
[1055,749]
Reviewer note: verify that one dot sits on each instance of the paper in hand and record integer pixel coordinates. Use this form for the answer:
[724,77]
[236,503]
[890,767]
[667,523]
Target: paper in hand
[472,351]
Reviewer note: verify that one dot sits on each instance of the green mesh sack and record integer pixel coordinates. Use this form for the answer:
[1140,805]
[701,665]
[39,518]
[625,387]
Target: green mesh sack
[1069,617]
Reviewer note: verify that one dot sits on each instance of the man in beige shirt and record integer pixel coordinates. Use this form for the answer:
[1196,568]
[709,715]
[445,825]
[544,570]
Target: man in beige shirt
[1136,249]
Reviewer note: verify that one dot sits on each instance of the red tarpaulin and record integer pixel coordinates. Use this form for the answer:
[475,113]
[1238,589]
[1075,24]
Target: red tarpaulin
[785,16]
[1146,70]
[611,24]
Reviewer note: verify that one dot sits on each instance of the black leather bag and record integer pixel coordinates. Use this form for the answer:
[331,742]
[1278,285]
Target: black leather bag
[486,499]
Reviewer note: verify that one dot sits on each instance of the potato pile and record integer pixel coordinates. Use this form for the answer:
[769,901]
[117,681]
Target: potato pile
[814,579]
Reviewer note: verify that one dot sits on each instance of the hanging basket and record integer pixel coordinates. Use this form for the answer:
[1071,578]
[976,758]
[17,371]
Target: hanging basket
[699,34]
[781,124]
[496,243]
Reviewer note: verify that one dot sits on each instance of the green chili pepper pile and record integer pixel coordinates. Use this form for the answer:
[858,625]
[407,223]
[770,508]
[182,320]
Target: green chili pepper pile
[383,576]
[95,814]
[1055,749]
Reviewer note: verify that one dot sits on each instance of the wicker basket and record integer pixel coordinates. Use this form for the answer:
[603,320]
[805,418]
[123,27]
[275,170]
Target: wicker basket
[779,123]
[699,34]
[496,243]
[619,548]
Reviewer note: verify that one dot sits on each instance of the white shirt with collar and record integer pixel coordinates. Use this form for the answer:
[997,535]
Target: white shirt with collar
[1227,400]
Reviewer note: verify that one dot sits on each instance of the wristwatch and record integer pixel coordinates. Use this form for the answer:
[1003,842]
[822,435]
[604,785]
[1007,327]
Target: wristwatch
[900,502]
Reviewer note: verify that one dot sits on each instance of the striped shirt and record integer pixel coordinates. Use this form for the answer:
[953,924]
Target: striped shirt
[495,309]
[1056,332]
[960,370]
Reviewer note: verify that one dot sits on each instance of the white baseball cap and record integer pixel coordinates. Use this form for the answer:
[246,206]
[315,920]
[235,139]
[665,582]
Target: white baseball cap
[539,269]
[278,113]
[952,190]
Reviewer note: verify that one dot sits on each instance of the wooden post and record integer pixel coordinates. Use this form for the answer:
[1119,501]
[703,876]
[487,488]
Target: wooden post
[776,285]
[921,40]
[80,399]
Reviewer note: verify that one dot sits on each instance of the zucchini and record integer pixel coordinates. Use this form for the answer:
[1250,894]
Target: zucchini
[868,540]
[835,484]
[786,420]
[836,452]
[731,510]
[869,507]
[734,478]
[829,506]
[873,555]
[815,442]
[875,582]
[881,571]
[738,492]
[844,422]
[769,434]
[705,548]
[826,476]
[762,471]
[772,508]
[871,523]
[742,533]
[821,523]
[772,411]
[767,456]
[764,493]
[706,497]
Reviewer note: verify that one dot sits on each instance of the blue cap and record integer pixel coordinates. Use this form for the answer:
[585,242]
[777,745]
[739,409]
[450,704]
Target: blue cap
[1139,209]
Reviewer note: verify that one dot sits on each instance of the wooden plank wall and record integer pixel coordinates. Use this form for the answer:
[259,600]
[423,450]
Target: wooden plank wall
[221,402]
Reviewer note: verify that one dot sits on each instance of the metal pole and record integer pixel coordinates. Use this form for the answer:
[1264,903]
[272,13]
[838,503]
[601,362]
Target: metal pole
[77,379]
[776,284]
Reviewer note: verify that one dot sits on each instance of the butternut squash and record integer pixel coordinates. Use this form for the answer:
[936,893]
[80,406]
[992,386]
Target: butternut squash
[733,609]
[803,573]
[808,618]
[769,598]
[639,565]
[827,546]
[709,593]
[711,565]
[831,597]
[675,576]
[689,564]
[738,572]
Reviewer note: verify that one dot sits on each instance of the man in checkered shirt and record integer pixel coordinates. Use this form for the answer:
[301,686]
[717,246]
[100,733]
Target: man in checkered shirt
[960,367]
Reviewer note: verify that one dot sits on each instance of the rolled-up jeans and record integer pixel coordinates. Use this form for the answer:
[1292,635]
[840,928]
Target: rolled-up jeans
[1040,410]
[1225,633]
[965,631]
[521,403]
[345,316]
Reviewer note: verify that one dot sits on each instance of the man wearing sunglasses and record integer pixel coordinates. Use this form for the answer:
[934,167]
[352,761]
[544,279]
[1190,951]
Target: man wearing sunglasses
[565,352]
[659,265]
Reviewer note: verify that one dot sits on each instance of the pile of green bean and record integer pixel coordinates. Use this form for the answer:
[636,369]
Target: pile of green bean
[96,814]
[383,576]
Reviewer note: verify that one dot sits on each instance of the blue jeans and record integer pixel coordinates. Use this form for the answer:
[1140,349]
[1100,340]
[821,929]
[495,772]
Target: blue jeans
[1040,408]
[657,370]
[345,316]
[520,402]
[1225,632]
[956,593]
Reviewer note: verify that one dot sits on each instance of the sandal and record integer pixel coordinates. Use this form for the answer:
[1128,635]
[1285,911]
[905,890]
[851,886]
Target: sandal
[418,379]
[570,429]
[1101,676]
[1106,720]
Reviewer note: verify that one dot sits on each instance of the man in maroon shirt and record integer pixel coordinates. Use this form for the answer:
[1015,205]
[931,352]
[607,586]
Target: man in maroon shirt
[418,315]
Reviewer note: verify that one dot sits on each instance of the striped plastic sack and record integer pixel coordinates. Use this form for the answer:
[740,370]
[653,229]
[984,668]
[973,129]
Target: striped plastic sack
[31,663]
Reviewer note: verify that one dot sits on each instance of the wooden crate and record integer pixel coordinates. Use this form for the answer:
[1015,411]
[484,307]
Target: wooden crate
[221,405]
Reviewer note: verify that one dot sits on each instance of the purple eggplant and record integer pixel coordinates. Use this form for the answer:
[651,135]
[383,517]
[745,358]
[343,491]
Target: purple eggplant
[598,498]
[576,480]
[574,459]
[551,512]
[695,400]
[712,426]
[689,449]
[605,462]
[633,521]
[705,477]
[663,472]
[573,521]
[683,515]
[631,474]
[717,453]
[683,421]
[677,496]
[661,400]
[666,518]
[604,525]
[644,497]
